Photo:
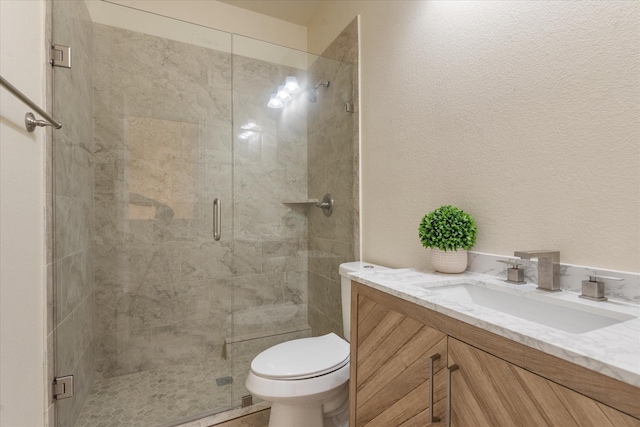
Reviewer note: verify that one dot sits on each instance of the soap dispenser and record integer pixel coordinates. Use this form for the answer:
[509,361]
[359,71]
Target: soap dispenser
[515,274]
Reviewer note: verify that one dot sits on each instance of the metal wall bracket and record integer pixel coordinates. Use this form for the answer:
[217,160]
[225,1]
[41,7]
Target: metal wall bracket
[326,204]
[247,400]
[349,107]
[60,56]
[63,387]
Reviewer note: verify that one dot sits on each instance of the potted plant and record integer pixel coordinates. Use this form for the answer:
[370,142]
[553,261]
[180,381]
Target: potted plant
[449,232]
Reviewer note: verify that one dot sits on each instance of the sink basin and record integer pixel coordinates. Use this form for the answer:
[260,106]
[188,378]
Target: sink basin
[567,316]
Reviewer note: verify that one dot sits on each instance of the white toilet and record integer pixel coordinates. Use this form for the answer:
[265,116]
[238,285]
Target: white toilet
[307,380]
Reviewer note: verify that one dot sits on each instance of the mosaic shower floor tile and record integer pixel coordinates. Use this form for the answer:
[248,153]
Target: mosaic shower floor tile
[156,397]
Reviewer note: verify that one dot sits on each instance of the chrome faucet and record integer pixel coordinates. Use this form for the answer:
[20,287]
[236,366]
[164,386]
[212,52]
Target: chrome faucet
[548,268]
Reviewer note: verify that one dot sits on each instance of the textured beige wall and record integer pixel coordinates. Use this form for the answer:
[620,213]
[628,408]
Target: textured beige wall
[22,196]
[525,114]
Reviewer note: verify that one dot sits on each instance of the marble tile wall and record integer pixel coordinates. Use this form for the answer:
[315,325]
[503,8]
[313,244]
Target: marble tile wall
[72,194]
[332,168]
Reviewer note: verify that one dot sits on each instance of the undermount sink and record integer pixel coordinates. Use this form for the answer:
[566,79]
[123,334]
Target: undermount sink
[567,316]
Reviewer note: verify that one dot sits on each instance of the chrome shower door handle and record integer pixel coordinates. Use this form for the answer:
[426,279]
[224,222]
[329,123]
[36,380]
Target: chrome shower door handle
[450,369]
[432,359]
[217,222]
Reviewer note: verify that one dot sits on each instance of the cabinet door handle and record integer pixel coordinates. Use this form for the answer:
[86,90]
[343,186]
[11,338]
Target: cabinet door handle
[217,222]
[450,369]
[432,359]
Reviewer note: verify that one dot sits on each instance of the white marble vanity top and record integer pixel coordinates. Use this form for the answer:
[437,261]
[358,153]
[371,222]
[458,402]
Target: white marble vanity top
[613,350]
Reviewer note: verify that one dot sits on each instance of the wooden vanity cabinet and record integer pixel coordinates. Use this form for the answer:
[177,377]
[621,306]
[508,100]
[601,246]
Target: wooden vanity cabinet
[487,391]
[494,382]
[397,361]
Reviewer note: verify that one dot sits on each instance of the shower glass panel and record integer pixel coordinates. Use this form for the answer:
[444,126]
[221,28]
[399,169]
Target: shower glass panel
[284,158]
[144,298]
[156,319]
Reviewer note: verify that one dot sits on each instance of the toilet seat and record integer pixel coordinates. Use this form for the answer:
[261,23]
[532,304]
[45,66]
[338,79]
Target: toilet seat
[302,358]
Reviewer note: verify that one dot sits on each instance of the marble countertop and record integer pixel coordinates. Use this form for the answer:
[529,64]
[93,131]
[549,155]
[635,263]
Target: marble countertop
[613,350]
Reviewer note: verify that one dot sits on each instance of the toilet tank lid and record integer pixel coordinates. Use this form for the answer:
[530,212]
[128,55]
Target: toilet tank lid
[358,266]
[302,358]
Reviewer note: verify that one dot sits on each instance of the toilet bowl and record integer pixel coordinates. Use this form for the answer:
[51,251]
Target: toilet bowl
[307,380]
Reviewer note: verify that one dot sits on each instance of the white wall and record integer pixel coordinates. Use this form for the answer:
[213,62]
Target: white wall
[525,114]
[224,17]
[22,400]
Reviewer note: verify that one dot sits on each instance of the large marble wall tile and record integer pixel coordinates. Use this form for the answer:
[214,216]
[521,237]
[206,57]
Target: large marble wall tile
[251,291]
[72,231]
[77,121]
[345,47]
[296,288]
[218,144]
[150,138]
[326,295]
[177,230]
[74,274]
[284,255]
[189,342]
[251,115]
[269,319]
[260,78]
[73,169]
[325,257]
[247,257]
[148,264]
[206,260]
[74,335]
[109,176]
[332,166]
[322,324]
[122,353]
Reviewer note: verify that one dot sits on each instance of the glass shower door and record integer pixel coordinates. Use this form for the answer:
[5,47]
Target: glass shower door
[284,158]
[144,297]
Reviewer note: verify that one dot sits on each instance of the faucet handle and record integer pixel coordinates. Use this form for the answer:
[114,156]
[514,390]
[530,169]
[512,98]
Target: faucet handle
[514,263]
[515,274]
[593,288]
[537,254]
[594,278]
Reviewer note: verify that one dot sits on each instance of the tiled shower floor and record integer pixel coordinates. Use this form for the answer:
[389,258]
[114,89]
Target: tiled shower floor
[155,397]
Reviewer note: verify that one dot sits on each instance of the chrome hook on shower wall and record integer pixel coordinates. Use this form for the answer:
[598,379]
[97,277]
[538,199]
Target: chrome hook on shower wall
[326,204]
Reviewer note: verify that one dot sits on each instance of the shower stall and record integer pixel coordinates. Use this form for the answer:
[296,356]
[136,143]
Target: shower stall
[162,297]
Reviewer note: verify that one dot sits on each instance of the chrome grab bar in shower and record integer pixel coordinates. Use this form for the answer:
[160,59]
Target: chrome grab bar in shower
[217,222]
[30,121]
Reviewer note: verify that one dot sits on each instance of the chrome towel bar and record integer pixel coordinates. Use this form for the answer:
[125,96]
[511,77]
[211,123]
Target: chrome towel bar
[30,121]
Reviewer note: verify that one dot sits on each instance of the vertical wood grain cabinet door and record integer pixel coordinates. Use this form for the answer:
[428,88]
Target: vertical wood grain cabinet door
[394,358]
[489,392]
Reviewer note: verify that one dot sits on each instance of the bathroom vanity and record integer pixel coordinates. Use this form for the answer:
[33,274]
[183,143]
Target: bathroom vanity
[418,358]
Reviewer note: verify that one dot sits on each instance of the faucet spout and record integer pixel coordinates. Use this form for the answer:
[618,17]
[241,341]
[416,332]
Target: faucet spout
[548,267]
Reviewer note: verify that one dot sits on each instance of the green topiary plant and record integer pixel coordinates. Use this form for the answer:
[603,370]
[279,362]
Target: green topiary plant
[447,228]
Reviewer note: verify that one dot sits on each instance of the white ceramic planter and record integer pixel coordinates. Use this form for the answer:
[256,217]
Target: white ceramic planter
[449,261]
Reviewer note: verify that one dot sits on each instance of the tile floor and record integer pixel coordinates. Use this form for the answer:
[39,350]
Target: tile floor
[156,397]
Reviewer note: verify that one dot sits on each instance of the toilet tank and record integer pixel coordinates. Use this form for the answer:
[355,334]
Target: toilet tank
[345,269]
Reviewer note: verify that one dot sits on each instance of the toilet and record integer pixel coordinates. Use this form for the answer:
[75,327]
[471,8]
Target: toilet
[307,380]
